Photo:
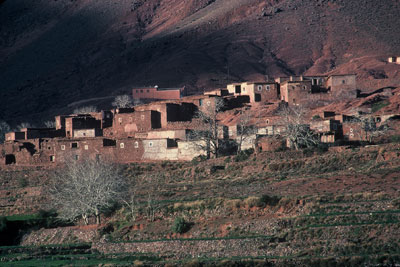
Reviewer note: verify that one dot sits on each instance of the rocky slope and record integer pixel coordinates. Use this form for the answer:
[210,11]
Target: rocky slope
[53,53]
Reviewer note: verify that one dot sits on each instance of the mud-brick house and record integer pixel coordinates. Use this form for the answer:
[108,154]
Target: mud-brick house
[156,92]
[80,125]
[27,152]
[115,150]
[34,133]
[342,87]
[295,92]
[127,122]
[354,131]
[258,92]
[329,130]
[171,111]
[269,143]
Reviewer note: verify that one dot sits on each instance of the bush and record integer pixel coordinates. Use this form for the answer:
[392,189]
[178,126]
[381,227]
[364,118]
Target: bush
[395,138]
[244,155]
[22,182]
[180,226]
[3,224]
[269,200]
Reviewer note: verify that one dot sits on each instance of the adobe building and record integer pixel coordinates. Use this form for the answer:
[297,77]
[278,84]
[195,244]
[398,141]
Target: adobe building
[257,91]
[158,93]
[342,86]
[295,92]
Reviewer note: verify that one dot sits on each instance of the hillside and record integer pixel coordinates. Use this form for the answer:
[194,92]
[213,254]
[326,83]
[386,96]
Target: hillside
[291,208]
[53,53]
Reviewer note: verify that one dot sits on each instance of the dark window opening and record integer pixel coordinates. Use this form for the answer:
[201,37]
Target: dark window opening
[52,158]
[10,159]
[257,97]
[74,145]
[141,91]
[148,91]
[237,89]
[76,157]
[343,81]
[109,142]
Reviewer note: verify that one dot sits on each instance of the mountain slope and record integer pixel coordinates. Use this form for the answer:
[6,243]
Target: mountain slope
[53,53]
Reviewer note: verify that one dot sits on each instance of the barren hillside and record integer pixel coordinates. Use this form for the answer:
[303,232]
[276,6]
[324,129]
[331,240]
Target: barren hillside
[53,53]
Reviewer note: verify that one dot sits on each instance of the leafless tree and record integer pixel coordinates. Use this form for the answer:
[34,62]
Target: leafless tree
[4,128]
[23,125]
[123,101]
[244,128]
[137,102]
[132,204]
[85,189]
[369,128]
[207,131]
[50,124]
[85,110]
[296,128]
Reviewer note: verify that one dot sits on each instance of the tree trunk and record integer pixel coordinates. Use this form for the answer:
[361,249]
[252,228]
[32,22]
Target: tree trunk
[97,213]
[85,219]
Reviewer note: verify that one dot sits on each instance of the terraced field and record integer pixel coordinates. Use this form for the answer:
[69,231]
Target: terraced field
[274,209]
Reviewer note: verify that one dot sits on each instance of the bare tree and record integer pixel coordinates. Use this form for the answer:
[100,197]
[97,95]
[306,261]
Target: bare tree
[207,131]
[137,102]
[85,110]
[244,128]
[85,189]
[4,128]
[369,128]
[122,101]
[297,130]
[50,124]
[23,125]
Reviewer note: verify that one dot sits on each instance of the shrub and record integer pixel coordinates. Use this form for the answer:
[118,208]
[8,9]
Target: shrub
[269,200]
[3,224]
[180,226]
[395,138]
[22,182]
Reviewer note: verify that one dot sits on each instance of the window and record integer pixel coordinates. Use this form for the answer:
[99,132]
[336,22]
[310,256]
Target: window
[76,157]
[49,148]
[267,87]
[52,158]
[351,135]
[150,144]
[141,91]
[136,144]
[119,120]
[259,87]
[86,147]
[351,130]
[200,102]
[122,145]
[208,103]
[62,147]
[304,87]
[267,121]
[343,82]
[244,89]
[294,100]
[148,91]
[74,145]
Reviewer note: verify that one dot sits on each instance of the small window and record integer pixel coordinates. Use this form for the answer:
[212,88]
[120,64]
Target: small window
[148,91]
[74,145]
[150,144]
[259,87]
[76,157]
[267,121]
[52,158]
[208,103]
[122,145]
[62,147]
[49,148]
[244,89]
[119,120]
[294,100]
[86,147]
[351,130]
[136,144]
[351,135]
[343,81]
[304,87]
[267,87]
[200,102]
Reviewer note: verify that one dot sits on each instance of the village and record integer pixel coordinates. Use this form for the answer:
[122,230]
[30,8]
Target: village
[163,128]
